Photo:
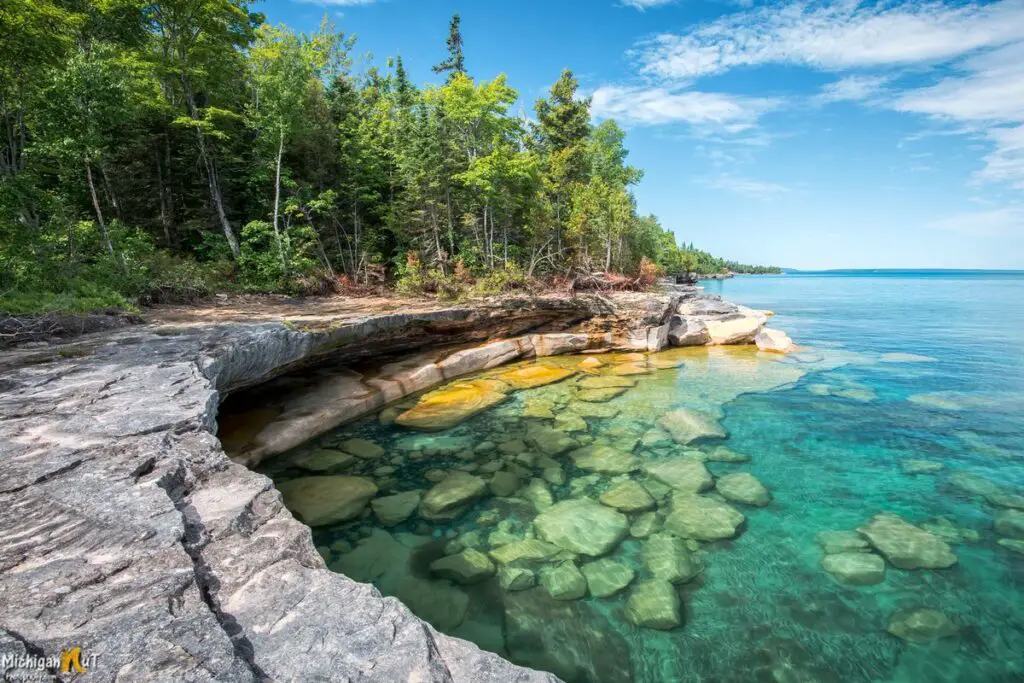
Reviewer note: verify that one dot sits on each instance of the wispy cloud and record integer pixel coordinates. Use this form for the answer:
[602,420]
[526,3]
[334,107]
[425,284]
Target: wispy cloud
[646,4]
[748,187]
[833,37]
[641,105]
[1008,220]
[852,88]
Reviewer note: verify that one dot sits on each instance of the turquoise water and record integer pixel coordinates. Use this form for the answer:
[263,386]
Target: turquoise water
[828,431]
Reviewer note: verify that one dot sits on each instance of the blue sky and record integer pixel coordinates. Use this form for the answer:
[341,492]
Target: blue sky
[821,135]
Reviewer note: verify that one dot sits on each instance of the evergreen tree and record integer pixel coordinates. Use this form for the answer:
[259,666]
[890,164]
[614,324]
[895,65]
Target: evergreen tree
[455,64]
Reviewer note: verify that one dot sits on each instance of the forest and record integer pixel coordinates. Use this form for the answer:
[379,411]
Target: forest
[163,150]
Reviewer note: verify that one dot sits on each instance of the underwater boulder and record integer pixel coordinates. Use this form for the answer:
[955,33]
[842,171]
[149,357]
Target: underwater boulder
[467,567]
[654,604]
[702,518]
[447,498]
[921,625]
[449,406]
[395,509]
[686,425]
[319,501]
[906,546]
[582,526]
[607,577]
[743,487]
[681,474]
[855,568]
[666,557]
[564,581]
[628,496]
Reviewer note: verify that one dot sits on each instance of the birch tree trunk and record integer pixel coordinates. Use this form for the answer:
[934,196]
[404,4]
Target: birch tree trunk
[277,201]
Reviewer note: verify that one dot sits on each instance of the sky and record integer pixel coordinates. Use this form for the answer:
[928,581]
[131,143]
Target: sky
[804,135]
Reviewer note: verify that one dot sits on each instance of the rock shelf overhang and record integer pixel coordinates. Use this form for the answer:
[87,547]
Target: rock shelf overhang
[129,533]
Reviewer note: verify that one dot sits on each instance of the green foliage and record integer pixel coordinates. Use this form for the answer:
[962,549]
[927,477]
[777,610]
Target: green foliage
[162,151]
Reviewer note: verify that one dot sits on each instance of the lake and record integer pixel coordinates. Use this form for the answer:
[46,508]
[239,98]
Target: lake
[906,399]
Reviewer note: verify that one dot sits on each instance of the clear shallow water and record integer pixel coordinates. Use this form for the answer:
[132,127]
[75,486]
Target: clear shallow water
[828,431]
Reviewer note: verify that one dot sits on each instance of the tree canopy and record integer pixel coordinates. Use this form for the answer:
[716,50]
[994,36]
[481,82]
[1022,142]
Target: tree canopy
[163,149]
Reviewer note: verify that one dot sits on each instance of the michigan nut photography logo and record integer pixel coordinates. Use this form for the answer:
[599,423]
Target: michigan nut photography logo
[71,662]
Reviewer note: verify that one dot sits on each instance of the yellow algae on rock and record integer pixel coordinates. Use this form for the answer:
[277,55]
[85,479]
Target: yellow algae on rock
[533,376]
[451,405]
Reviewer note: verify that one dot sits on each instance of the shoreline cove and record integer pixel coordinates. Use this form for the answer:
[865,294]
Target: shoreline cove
[132,534]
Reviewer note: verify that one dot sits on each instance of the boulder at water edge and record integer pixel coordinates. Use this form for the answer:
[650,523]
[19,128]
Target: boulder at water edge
[654,604]
[905,545]
[775,341]
[582,526]
[326,500]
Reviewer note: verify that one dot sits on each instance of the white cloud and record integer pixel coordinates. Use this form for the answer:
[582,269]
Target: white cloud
[646,4]
[852,88]
[833,37]
[749,187]
[654,105]
[1008,220]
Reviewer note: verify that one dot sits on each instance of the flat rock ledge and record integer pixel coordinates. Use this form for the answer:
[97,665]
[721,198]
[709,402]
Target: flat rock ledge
[129,533]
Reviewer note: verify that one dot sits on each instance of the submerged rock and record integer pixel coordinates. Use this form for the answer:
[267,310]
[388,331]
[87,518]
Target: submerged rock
[599,395]
[468,567]
[855,568]
[654,604]
[921,467]
[606,577]
[950,532]
[666,557]
[743,487]
[446,499]
[686,425]
[392,510]
[326,460]
[702,518]
[570,423]
[582,526]
[504,484]
[599,410]
[1010,523]
[725,454]
[1005,499]
[921,625]
[535,375]
[681,474]
[842,542]
[448,407]
[362,448]
[973,484]
[607,382]
[526,550]
[905,545]
[319,501]
[628,496]
[551,441]
[516,578]
[645,525]
[538,494]
[604,459]
[564,581]
[1013,544]
[538,408]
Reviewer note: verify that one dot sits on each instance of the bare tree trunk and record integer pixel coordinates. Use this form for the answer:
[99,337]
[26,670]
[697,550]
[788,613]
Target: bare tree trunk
[216,199]
[108,189]
[99,212]
[277,201]
[165,219]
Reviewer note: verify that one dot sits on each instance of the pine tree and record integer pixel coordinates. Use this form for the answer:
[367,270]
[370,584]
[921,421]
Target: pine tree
[455,64]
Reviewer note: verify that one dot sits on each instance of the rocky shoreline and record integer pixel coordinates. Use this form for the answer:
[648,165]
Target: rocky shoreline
[132,535]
